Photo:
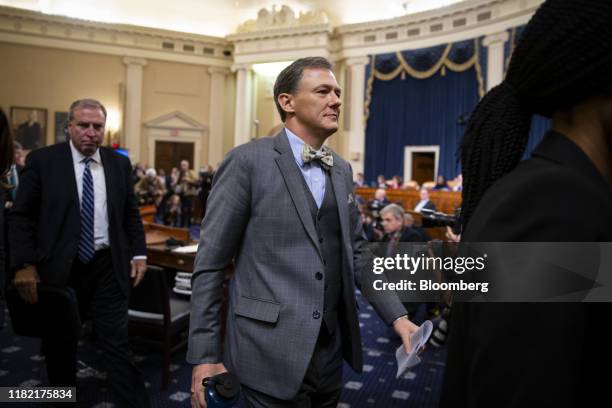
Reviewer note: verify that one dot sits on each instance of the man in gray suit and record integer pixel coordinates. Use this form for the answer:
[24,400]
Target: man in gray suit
[282,208]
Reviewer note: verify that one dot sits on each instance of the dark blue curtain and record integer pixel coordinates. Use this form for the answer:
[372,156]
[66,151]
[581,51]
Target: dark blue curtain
[417,112]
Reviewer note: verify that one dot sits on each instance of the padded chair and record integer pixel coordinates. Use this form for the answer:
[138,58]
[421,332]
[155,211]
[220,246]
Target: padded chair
[158,319]
[411,185]
[428,184]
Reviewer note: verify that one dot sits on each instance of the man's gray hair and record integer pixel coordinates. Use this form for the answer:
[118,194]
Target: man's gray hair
[85,103]
[396,210]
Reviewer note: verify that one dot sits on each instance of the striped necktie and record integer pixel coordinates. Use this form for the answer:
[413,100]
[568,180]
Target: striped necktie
[86,242]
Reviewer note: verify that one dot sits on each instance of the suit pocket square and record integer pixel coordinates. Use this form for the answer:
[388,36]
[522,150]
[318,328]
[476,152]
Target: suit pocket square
[351,198]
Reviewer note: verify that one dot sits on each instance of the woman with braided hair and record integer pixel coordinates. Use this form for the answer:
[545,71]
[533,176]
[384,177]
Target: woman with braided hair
[526,354]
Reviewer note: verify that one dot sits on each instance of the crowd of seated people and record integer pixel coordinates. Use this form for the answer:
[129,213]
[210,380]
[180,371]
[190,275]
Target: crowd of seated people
[175,195]
[384,221]
[396,182]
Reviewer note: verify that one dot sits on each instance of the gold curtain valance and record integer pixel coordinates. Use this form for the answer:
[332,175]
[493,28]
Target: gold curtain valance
[405,68]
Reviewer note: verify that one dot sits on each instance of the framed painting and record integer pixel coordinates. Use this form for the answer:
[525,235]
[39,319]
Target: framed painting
[61,122]
[29,126]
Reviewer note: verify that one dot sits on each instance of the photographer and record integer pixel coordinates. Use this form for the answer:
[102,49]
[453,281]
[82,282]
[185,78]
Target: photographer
[374,207]
[395,231]
[150,189]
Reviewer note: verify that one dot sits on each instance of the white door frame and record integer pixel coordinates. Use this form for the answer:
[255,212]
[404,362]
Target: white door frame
[408,150]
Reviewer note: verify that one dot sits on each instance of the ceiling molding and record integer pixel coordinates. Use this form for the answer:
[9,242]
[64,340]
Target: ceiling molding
[463,20]
[416,18]
[460,21]
[33,28]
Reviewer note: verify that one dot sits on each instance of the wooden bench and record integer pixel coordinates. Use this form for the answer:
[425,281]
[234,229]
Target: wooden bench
[445,201]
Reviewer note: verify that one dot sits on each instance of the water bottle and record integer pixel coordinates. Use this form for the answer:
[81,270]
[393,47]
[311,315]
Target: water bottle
[221,390]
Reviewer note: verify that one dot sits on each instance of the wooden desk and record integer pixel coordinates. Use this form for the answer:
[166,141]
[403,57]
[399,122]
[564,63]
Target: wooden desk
[159,233]
[160,255]
[158,252]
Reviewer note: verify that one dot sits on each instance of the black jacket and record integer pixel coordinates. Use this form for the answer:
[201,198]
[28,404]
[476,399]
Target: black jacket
[44,223]
[535,354]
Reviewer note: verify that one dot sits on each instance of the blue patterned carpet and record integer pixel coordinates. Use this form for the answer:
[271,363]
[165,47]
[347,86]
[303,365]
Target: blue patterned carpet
[21,365]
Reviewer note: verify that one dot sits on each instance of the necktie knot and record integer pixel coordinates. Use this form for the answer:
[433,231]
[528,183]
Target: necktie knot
[87,161]
[323,156]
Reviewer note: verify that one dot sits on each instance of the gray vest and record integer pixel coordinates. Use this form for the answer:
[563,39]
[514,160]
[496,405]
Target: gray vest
[327,224]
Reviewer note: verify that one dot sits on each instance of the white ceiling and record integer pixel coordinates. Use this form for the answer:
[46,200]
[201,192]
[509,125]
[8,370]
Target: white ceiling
[219,17]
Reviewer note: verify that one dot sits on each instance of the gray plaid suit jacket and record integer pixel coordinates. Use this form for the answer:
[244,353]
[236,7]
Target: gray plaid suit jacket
[258,215]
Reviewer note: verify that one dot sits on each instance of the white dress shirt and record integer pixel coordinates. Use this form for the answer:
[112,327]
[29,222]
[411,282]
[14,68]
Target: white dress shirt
[420,205]
[101,236]
[312,171]
[101,239]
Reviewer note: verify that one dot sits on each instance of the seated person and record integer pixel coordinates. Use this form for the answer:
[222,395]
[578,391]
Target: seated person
[458,183]
[395,182]
[369,225]
[425,202]
[441,184]
[395,232]
[393,223]
[359,180]
[409,223]
[380,200]
[173,211]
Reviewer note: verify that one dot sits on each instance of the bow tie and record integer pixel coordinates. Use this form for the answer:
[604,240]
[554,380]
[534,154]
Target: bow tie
[324,156]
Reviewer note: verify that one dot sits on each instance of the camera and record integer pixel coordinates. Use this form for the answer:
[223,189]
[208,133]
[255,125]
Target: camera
[374,209]
[439,219]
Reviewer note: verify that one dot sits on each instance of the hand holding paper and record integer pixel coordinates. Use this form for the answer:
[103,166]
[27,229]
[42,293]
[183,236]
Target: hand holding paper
[418,340]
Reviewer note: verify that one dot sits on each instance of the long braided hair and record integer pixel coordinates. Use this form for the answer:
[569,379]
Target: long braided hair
[563,56]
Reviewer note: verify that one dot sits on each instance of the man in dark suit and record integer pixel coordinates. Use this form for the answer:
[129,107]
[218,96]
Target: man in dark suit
[395,231]
[76,223]
[283,208]
[425,202]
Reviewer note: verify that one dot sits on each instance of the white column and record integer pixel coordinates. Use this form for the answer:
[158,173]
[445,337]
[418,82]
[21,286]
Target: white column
[495,58]
[217,96]
[243,124]
[133,105]
[356,134]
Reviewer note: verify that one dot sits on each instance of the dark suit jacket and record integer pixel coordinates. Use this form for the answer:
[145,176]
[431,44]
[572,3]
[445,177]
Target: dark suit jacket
[528,354]
[408,235]
[429,205]
[44,223]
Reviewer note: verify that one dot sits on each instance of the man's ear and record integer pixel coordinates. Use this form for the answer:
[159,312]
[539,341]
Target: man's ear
[285,101]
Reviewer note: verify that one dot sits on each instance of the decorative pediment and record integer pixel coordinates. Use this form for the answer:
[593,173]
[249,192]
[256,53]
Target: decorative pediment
[282,18]
[176,120]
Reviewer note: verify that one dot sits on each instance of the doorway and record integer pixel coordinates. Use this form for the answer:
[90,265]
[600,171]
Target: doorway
[170,154]
[421,163]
